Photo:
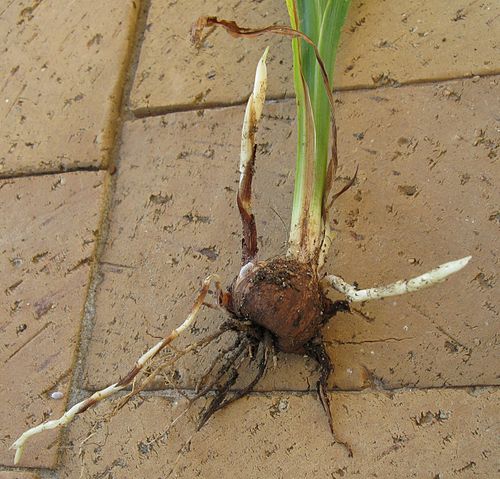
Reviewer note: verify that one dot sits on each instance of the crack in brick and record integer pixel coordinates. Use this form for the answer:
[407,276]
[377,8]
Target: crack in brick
[368,341]
[44,327]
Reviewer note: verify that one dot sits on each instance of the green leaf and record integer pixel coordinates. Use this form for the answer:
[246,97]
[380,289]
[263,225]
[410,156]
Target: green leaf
[321,21]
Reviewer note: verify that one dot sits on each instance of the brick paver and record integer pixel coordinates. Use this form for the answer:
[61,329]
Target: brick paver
[426,195]
[426,176]
[438,433]
[62,74]
[48,234]
[385,42]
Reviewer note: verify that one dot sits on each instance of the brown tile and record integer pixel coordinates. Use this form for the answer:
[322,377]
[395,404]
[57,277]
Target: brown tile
[174,221]
[172,72]
[435,433]
[48,227]
[62,71]
[386,42]
[426,195]
[408,41]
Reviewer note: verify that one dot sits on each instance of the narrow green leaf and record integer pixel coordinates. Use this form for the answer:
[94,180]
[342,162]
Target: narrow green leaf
[321,21]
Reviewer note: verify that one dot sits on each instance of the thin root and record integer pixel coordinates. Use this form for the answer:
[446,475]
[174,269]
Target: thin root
[124,382]
[231,373]
[317,351]
[180,353]
[221,400]
[232,353]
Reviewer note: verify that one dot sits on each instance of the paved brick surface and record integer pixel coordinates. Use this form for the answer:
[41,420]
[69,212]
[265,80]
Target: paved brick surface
[61,68]
[426,194]
[383,42]
[47,238]
[438,433]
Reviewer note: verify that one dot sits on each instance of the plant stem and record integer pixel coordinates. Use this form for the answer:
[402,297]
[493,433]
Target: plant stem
[322,21]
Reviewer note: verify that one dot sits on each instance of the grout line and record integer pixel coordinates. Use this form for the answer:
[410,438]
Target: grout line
[40,472]
[130,71]
[148,112]
[177,393]
[96,277]
[121,91]
[35,173]
[76,394]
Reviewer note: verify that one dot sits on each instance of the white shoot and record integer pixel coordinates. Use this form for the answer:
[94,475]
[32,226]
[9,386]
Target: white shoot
[253,113]
[260,85]
[425,280]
